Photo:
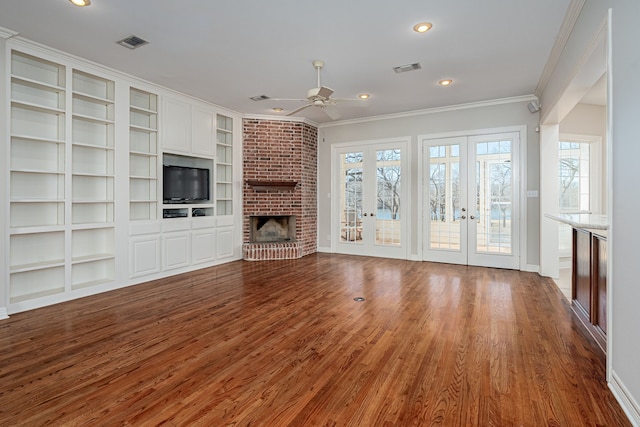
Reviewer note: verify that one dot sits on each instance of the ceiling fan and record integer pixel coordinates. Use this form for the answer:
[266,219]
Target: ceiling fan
[320,96]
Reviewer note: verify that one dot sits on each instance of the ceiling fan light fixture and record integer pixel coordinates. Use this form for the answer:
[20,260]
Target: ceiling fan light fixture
[81,3]
[445,82]
[422,27]
[363,96]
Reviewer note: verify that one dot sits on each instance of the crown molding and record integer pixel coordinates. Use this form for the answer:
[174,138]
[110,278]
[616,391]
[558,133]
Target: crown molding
[280,119]
[6,33]
[435,110]
[570,19]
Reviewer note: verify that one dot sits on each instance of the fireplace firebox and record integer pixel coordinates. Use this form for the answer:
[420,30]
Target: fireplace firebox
[272,228]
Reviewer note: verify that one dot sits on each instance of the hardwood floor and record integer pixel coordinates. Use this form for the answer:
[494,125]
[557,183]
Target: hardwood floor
[283,343]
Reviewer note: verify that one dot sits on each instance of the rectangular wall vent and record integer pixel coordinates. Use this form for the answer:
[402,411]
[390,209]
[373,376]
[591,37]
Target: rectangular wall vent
[407,67]
[132,42]
[259,98]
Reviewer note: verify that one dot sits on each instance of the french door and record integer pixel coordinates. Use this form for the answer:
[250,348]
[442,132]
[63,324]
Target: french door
[369,214]
[471,209]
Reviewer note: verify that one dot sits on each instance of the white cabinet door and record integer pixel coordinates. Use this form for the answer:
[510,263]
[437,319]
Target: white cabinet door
[202,132]
[203,246]
[144,255]
[176,250]
[176,125]
[225,242]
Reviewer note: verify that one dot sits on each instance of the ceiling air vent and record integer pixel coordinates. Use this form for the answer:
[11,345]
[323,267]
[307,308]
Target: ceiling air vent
[259,98]
[132,42]
[407,67]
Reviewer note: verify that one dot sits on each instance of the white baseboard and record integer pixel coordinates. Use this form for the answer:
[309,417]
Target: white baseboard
[3,313]
[532,268]
[626,400]
[324,249]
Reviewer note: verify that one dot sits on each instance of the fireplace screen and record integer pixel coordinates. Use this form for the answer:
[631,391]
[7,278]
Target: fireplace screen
[279,228]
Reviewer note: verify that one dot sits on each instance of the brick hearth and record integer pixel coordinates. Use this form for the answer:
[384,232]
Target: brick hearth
[279,152]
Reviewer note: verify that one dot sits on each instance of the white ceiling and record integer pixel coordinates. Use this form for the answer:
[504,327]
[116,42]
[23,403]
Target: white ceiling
[227,52]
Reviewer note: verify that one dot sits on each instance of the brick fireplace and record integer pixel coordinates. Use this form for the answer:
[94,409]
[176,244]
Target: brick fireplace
[280,172]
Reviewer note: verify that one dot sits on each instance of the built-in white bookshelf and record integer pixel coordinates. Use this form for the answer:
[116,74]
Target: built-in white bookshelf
[37,177]
[143,155]
[92,182]
[224,165]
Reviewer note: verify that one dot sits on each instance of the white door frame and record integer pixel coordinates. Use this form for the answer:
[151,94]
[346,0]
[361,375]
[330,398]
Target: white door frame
[406,209]
[520,181]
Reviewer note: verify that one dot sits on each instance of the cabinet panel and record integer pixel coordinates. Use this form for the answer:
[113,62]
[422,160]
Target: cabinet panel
[176,126]
[581,277]
[176,250]
[203,245]
[600,281]
[202,132]
[145,255]
[224,242]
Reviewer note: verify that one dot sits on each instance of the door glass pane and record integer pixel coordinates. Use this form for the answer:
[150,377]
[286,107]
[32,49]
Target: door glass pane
[444,197]
[389,176]
[494,185]
[351,198]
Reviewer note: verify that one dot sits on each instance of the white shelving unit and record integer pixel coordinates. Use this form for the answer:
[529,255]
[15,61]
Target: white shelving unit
[224,165]
[92,181]
[83,195]
[143,155]
[37,178]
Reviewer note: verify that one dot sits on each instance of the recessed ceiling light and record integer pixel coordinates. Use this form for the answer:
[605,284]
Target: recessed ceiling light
[363,96]
[277,109]
[445,82]
[422,27]
[81,2]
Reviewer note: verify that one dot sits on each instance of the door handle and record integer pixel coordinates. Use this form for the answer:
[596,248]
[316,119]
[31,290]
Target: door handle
[365,214]
[371,214]
[463,217]
[472,217]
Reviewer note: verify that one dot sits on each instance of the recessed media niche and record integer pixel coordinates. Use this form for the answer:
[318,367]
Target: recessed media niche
[187,186]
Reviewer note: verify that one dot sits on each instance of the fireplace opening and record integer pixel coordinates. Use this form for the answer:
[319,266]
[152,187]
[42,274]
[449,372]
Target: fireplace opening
[273,228]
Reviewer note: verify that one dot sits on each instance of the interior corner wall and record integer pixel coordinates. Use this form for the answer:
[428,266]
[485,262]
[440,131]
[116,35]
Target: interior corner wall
[413,126]
[624,232]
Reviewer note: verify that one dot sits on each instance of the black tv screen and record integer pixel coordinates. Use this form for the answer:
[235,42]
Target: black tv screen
[183,184]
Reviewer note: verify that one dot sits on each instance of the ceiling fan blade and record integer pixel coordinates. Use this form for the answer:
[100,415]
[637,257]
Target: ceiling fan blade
[331,113]
[299,109]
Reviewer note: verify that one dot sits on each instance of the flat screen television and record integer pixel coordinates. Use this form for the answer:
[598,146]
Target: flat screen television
[183,184]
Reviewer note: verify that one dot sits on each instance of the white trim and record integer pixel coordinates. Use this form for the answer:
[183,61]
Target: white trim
[625,398]
[405,141]
[3,313]
[6,33]
[522,130]
[570,19]
[610,208]
[434,110]
[531,268]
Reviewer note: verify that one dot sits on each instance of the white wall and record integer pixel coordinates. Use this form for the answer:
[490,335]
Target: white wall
[624,204]
[432,122]
[625,233]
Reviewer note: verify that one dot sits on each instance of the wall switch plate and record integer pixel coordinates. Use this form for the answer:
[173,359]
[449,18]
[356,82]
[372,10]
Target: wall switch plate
[532,193]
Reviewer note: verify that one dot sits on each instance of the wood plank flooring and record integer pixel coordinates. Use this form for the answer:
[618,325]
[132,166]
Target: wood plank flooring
[283,343]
